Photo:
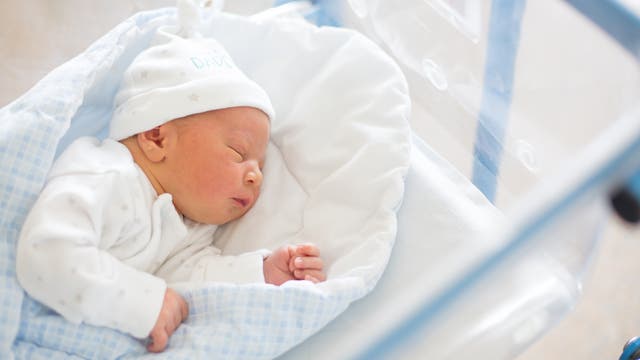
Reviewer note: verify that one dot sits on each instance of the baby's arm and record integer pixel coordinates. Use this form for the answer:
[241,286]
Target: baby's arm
[62,262]
[294,262]
[197,260]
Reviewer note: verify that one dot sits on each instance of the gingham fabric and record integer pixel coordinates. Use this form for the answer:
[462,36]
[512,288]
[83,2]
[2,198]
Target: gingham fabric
[225,321]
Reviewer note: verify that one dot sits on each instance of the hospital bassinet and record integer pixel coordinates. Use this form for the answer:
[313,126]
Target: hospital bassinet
[501,89]
[506,107]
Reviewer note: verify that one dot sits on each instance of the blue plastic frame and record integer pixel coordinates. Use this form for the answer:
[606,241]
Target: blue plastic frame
[503,41]
[615,19]
[632,346]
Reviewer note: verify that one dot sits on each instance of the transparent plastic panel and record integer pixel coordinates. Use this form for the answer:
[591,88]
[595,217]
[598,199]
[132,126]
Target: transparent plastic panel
[514,303]
[570,81]
[441,46]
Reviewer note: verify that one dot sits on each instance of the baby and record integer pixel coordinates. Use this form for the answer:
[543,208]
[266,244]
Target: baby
[119,220]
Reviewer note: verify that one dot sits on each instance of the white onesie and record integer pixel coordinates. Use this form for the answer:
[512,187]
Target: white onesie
[99,246]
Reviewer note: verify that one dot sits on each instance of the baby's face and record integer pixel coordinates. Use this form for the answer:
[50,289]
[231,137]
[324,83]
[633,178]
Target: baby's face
[218,172]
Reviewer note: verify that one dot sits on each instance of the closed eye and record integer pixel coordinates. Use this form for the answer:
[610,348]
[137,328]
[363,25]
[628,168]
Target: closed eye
[237,152]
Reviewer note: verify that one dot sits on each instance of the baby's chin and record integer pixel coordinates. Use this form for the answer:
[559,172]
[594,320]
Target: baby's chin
[219,219]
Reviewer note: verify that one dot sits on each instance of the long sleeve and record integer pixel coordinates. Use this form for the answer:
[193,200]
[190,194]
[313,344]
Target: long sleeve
[63,262]
[199,261]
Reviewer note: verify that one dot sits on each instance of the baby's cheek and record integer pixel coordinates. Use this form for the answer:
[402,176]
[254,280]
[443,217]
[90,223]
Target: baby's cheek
[210,184]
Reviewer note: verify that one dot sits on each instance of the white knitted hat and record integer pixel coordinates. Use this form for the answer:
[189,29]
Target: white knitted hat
[177,77]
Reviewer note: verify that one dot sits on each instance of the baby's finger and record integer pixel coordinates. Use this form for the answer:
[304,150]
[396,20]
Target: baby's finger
[311,275]
[319,275]
[176,320]
[292,264]
[185,310]
[292,250]
[308,262]
[159,340]
[308,249]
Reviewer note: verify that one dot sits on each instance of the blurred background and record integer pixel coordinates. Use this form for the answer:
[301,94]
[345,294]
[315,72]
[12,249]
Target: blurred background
[38,35]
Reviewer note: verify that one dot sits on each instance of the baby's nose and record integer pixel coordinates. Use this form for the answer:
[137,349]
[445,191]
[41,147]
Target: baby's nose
[254,177]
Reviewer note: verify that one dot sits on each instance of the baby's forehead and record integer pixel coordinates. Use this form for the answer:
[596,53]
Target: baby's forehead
[239,123]
[231,113]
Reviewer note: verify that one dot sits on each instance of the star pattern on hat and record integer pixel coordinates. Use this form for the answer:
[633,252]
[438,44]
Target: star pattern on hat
[194,97]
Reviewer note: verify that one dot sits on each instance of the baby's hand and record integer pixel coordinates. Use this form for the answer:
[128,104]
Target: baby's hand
[294,262]
[305,263]
[174,311]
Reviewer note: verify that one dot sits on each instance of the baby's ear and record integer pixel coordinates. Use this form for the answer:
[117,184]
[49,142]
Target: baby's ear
[155,143]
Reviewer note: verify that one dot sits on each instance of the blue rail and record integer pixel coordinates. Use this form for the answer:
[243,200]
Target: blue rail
[615,19]
[611,16]
[503,41]
[631,349]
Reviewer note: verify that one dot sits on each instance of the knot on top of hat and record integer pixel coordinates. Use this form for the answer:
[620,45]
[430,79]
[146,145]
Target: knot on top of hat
[188,18]
[189,15]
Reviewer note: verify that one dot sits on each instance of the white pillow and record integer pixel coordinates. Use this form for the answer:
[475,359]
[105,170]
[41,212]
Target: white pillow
[340,143]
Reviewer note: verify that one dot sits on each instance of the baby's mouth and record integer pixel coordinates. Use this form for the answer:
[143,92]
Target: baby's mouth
[241,202]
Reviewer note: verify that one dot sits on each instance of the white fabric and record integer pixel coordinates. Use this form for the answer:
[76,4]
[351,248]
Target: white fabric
[98,231]
[196,261]
[445,227]
[177,77]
